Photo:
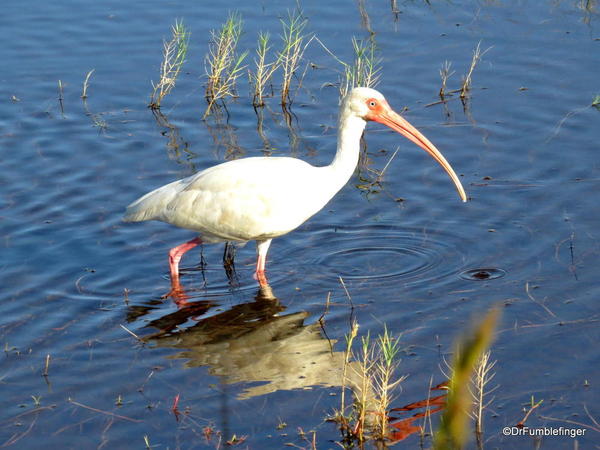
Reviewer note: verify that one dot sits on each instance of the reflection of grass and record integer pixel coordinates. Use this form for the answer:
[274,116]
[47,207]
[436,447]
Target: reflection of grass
[223,65]
[174,52]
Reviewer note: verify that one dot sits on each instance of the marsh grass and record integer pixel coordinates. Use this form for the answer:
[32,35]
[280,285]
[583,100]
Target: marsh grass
[222,63]
[384,375]
[452,432]
[174,53]
[260,78]
[467,79]
[290,56]
[370,372]
[365,70]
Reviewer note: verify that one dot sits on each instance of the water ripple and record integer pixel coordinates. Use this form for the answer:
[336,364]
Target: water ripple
[380,252]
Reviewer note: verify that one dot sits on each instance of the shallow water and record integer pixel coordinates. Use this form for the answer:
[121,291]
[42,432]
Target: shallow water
[243,361]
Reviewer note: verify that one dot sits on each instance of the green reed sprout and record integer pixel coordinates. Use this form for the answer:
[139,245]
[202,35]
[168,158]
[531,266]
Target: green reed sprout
[223,65]
[174,53]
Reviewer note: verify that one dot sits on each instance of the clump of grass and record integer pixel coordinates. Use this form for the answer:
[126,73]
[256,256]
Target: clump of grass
[264,70]
[466,83]
[293,49]
[365,70]
[385,383]
[223,65]
[174,53]
[372,377]
[452,430]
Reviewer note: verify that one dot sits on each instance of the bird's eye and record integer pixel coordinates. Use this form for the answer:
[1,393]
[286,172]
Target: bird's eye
[372,103]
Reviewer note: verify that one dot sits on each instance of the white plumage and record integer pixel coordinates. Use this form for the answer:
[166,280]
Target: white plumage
[264,197]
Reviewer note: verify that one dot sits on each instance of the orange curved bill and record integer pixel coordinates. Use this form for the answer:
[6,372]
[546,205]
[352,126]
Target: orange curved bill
[390,118]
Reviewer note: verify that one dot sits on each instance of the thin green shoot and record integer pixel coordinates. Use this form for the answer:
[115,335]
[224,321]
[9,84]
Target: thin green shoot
[347,356]
[222,64]
[174,53]
[384,372]
[290,56]
[365,71]
[263,70]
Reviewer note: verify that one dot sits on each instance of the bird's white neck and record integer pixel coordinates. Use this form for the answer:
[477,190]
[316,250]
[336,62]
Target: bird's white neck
[350,130]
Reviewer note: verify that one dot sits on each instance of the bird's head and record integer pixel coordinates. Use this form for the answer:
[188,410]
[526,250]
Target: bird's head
[371,105]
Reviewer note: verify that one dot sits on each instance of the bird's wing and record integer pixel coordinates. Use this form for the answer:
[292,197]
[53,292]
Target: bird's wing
[245,199]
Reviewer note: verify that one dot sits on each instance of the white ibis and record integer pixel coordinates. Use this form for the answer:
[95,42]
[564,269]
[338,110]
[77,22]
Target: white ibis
[260,198]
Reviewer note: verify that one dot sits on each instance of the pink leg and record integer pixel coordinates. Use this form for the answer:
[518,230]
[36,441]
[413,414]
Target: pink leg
[262,247]
[175,255]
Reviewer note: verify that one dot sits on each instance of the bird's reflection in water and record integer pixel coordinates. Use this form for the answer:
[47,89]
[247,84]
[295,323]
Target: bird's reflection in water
[249,342]
[256,342]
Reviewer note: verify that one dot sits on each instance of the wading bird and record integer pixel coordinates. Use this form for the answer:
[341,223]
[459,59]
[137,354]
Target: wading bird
[260,198]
